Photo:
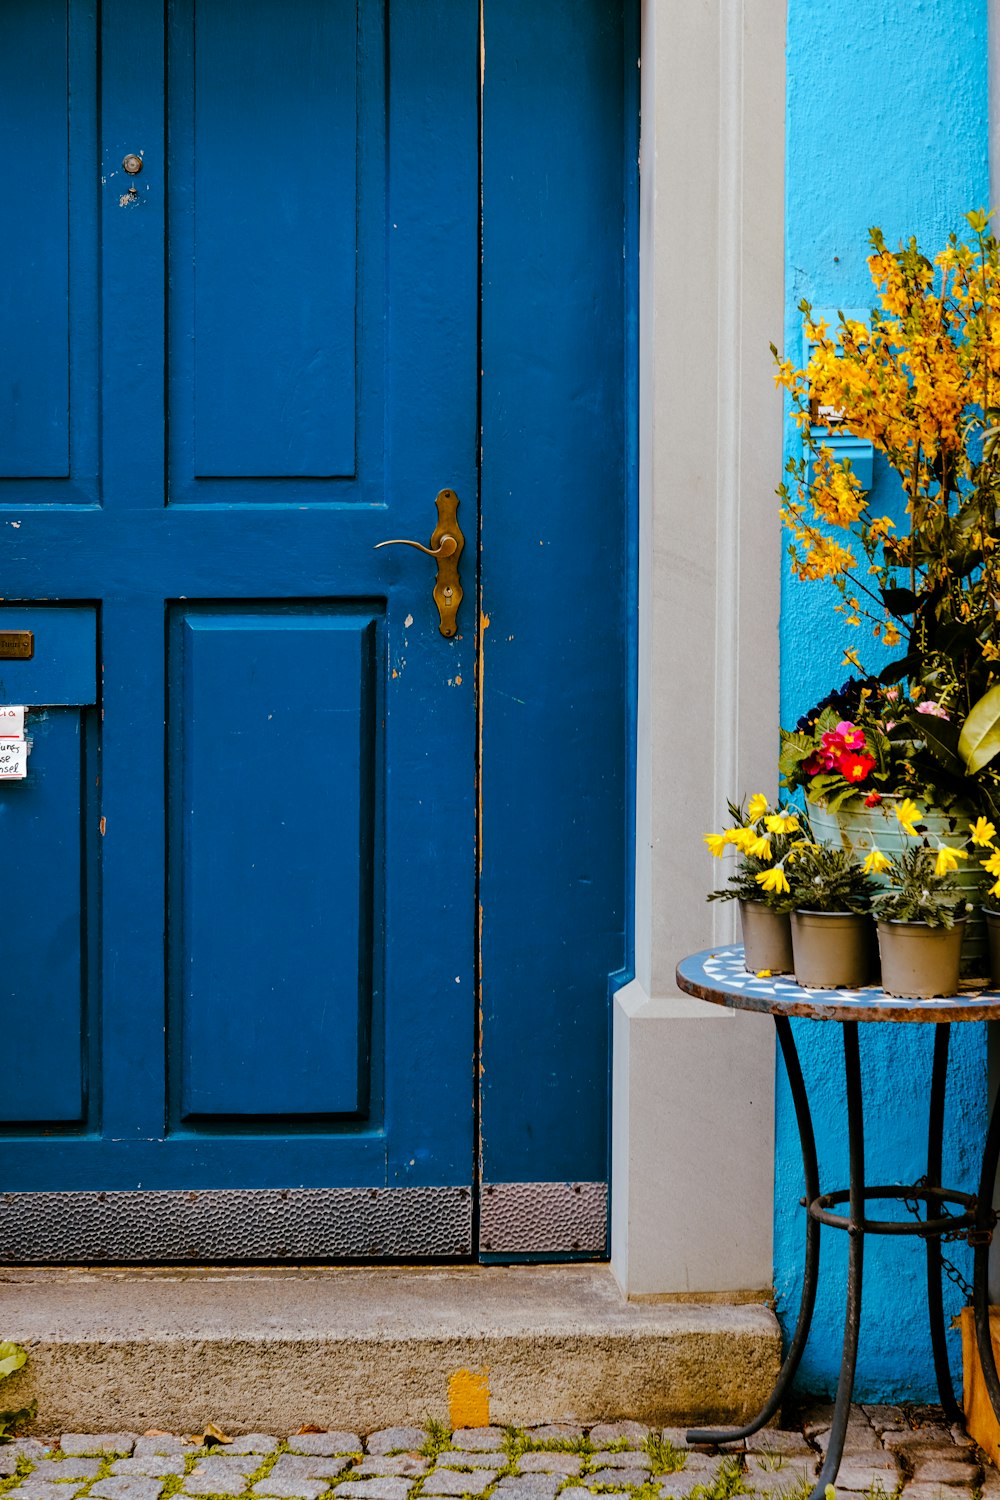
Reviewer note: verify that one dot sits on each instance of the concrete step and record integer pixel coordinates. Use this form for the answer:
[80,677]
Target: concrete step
[268,1349]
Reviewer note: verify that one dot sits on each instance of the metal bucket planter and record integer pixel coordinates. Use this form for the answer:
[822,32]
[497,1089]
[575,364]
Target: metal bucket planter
[833,950]
[993,939]
[919,962]
[858,829]
[767,938]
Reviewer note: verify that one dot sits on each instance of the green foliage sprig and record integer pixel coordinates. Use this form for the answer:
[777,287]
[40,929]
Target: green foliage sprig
[917,894]
[828,880]
[12,1357]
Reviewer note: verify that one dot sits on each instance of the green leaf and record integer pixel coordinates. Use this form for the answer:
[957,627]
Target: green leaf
[10,1421]
[980,738]
[12,1357]
[897,670]
[899,601]
[941,738]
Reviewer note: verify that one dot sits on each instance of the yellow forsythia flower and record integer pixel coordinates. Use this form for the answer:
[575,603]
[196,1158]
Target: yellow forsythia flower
[876,863]
[772,880]
[908,812]
[981,832]
[757,807]
[947,859]
[851,659]
[716,843]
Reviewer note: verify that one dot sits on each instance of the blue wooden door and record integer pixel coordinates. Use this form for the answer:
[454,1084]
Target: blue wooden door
[236,965]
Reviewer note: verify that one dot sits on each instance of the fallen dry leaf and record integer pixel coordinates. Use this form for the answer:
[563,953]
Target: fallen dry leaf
[308,1427]
[210,1436]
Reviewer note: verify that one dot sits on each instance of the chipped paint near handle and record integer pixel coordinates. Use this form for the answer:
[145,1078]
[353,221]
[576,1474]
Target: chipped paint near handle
[469,1399]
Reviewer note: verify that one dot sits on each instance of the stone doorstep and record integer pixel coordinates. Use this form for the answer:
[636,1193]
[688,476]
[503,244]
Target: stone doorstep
[356,1348]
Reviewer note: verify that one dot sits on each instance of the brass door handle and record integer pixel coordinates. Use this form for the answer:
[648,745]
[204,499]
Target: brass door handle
[445,548]
[446,545]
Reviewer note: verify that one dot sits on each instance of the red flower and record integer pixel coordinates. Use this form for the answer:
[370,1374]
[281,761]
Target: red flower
[814,764]
[853,767]
[873,799]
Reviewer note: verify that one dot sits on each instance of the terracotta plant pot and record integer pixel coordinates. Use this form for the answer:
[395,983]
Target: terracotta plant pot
[993,938]
[856,829]
[833,950]
[920,962]
[767,938]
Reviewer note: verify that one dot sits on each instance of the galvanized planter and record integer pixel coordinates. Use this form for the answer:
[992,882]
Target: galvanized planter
[919,962]
[767,938]
[859,829]
[993,940]
[833,950]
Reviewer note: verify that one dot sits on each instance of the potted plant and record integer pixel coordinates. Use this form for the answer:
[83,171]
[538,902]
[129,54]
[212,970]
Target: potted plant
[832,938]
[761,837]
[919,381]
[920,920]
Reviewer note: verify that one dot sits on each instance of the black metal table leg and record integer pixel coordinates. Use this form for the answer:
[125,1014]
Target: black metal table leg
[935,1304]
[855,1264]
[980,1237]
[810,1169]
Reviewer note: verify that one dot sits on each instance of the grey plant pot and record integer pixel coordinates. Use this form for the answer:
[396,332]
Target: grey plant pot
[767,938]
[833,950]
[920,962]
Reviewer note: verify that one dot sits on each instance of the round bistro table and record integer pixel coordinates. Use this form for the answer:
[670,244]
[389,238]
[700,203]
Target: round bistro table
[719,975]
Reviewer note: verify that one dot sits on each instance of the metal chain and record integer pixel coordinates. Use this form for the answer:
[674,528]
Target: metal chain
[951,1271]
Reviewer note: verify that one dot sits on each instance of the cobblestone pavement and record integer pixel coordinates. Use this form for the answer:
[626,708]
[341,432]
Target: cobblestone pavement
[889,1450]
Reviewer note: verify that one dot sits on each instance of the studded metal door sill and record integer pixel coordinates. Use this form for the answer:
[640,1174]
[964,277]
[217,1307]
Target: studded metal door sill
[544,1218]
[224,1225]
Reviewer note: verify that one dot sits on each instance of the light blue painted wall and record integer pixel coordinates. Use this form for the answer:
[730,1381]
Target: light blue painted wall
[887,125]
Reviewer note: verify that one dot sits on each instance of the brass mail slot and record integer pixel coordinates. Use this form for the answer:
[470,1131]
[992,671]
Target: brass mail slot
[17,645]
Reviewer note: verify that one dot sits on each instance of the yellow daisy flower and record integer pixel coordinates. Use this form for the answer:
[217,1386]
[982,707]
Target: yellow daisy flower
[760,848]
[908,812]
[947,859]
[772,880]
[717,843]
[876,863]
[982,832]
[757,807]
[781,823]
[992,865]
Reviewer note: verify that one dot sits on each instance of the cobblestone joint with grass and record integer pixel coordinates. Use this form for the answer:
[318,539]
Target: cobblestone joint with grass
[890,1451]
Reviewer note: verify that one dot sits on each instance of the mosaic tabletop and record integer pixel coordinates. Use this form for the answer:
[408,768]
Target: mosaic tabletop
[719,975]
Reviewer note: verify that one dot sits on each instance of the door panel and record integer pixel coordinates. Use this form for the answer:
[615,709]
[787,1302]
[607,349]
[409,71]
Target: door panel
[48,434]
[283,815]
[48,989]
[273,781]
[264,176]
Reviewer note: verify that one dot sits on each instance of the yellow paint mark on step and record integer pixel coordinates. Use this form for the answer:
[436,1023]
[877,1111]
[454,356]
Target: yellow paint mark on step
[469,1399]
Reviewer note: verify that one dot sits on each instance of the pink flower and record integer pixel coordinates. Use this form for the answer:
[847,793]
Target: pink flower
[928,706]
[854,739]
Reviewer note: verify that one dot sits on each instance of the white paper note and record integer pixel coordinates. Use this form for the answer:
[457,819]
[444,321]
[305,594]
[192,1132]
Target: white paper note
[13,745]
[12,720]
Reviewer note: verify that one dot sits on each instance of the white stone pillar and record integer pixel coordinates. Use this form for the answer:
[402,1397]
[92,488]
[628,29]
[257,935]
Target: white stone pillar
[693,1090]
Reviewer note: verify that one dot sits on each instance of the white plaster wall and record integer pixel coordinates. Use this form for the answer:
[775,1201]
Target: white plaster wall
[693,1091]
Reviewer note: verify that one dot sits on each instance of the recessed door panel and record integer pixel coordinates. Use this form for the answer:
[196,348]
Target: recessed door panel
[48,831]
[273,725]
[48,159]
[263,240]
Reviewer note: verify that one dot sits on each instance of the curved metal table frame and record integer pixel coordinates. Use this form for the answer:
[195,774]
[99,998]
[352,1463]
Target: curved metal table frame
[719,975]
